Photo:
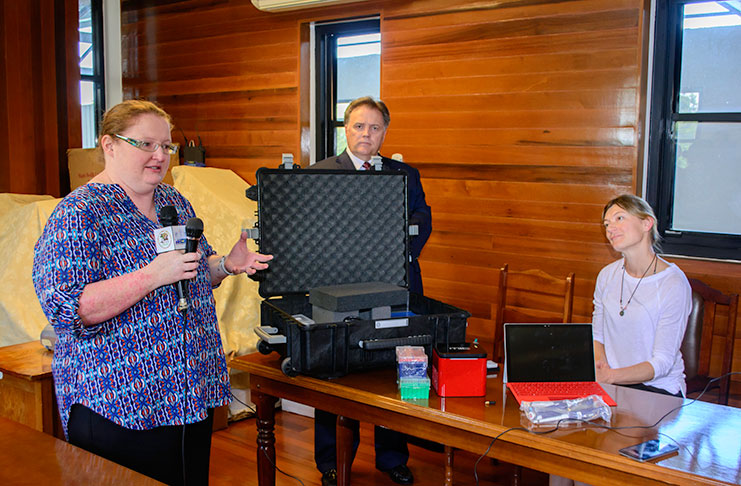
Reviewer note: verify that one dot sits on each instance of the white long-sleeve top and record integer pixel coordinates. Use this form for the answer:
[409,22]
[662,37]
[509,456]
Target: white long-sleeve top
[653,326]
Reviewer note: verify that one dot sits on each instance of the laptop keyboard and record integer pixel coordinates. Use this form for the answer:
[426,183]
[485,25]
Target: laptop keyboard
[559,390]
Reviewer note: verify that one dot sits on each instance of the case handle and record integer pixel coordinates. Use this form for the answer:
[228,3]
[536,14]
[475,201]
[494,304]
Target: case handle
[376,344]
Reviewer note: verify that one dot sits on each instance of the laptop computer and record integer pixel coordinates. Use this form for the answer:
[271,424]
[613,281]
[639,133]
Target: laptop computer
[545,362]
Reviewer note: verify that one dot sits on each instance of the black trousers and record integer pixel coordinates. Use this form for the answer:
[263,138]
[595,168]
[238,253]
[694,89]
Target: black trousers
[391,446]
[641,386]
[156,453]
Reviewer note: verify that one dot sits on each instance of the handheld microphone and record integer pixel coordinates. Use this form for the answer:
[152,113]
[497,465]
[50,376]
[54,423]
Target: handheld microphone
[164,238]
[168,216]
[193,232]
[165,241]
[171,236]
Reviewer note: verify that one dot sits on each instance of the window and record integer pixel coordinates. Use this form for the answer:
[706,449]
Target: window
[348,66]
[695,132]
[92,97]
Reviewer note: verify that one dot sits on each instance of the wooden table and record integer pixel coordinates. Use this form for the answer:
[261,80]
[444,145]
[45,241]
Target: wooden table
[27,387]
[709,434]
[31,457]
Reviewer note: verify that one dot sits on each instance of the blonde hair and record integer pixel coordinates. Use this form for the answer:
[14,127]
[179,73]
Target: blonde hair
[639,208]
[120,117]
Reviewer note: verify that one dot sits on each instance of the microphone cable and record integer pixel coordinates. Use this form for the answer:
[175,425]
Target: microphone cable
[587,424]
[193,233]
[184,315]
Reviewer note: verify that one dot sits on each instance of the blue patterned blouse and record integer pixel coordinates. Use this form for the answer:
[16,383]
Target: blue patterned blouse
[128,369]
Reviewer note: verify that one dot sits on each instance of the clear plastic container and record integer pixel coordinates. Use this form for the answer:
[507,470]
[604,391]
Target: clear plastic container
[412,362]
[414,388]
[563,411]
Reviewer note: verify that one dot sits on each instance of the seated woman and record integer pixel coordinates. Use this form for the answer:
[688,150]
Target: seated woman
[641,305]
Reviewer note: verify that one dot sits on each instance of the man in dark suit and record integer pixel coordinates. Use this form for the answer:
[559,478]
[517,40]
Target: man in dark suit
[366,122]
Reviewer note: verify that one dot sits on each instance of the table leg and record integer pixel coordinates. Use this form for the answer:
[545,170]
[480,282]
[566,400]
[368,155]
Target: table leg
[448,466]
[265,437]
[345,427]
[516,475]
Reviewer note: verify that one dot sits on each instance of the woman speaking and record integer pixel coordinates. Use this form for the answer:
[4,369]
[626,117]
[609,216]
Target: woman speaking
[136,380]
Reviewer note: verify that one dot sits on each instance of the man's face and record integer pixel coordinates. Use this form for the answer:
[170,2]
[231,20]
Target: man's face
[365,132]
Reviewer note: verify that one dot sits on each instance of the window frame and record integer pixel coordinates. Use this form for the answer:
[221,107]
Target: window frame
[98,76]
[662,147]
[326,36]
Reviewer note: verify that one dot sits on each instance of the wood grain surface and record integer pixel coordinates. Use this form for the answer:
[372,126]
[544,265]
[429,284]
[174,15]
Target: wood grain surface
[523,116]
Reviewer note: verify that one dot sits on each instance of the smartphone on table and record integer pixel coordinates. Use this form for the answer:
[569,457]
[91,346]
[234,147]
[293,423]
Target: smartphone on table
[650,450]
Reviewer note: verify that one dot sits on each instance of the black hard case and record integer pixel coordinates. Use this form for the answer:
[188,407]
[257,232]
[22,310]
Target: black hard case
[328,227]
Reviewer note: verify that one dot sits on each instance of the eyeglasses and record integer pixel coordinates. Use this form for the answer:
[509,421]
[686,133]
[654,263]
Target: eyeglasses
[169,148]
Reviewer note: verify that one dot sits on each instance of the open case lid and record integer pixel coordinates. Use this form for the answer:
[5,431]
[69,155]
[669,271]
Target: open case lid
[330,227]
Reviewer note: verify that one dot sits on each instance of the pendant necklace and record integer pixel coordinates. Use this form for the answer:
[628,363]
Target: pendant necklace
[622,280]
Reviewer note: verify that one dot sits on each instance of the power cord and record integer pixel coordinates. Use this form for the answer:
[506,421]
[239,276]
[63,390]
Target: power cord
[587,424]
[249,407]
[279,469]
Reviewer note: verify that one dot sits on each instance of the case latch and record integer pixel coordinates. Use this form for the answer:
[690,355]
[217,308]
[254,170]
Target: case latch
[252,233]
[287,161]
[376,162]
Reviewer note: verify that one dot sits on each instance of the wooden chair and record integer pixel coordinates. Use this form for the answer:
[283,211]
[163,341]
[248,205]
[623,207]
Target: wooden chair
[698,339]
[534,296]
[531,296]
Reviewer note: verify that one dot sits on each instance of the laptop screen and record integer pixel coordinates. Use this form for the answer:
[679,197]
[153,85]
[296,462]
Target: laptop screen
[549,352]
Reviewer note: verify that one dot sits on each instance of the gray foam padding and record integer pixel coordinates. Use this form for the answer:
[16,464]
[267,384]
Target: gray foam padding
[350,297]
[331,227]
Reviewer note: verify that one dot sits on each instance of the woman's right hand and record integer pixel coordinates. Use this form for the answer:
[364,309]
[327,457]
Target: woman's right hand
[105,299]
[173,266]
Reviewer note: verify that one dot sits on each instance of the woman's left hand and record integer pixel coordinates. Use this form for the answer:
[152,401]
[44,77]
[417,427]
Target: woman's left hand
[242,260]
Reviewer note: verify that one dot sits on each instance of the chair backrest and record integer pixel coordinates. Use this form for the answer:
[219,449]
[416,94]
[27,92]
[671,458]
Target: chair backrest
[711,299]
[691,343]
[531,296]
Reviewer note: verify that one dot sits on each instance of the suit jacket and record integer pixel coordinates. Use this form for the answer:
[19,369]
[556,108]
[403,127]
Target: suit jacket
[419,212]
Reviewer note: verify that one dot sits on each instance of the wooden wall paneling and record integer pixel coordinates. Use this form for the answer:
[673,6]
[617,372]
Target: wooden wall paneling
[40,93]
[523,116]
[237,76]
[503,9]
[537,192]
[529,113]
[225,72]
[19,72]
[45,80]
[4,114]
[67,97]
